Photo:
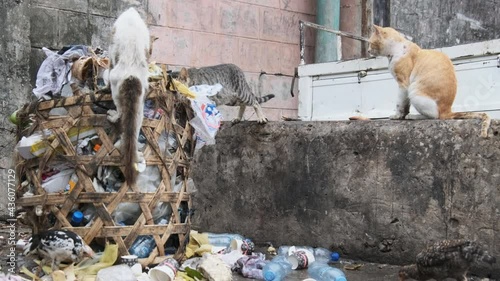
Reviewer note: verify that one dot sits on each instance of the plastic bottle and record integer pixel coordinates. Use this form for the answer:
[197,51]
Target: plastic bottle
[76,218]
[222,239]
[277,269]
[88,215]
[321,271]
[325,255]
[149,110]
[72,182]
[288,250]
[144,244]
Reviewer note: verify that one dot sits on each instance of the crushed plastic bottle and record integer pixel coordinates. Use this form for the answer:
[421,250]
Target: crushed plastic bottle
[325,255]
[288,250]
[320,254]
[222,239]
[72,182]
[277,269]
[144,244]
[321,271]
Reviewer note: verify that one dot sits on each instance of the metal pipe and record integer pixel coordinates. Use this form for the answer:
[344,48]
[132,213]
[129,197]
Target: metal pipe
[327,15]
[302,45]
[338,32]
[303,24]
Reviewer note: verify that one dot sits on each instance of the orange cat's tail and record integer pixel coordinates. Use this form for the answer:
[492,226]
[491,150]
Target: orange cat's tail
[485,124]
[130,93]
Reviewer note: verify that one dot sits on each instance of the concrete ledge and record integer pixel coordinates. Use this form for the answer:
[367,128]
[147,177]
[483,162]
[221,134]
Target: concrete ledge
[376,191]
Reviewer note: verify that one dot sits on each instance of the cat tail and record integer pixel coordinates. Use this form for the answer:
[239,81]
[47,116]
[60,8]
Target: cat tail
[485,124]
[265,98]
[130,93]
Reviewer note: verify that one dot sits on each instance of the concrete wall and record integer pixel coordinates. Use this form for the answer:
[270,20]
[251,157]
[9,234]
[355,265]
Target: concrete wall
[445,23]
[356,18]
[377,190]
[14,80]
[253,34]
[257,35]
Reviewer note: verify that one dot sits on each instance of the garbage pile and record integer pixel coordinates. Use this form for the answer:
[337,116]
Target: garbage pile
[208,256]
[78,71]
[70,80]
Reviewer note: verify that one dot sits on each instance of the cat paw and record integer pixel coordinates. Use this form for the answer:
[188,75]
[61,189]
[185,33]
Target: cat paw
[118,144]
[416,117]
[113,116]
[397,117]
[140,166]
[140,156]
[262,120]
[236,120]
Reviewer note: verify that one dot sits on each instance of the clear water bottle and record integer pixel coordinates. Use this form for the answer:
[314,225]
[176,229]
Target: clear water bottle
[144,244]
[222,239]
[321,271]
[325,255]
[288,250]
[277,269]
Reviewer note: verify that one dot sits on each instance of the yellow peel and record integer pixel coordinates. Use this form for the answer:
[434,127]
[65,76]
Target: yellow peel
[183,89]
[29,273]
[58,275]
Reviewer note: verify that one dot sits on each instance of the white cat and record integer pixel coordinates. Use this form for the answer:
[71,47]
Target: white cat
[129,51]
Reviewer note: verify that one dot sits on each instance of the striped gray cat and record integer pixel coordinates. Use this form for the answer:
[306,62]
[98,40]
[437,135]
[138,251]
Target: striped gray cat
[235,91]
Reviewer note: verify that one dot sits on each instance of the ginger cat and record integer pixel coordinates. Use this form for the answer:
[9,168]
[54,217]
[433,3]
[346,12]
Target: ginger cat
[426,78]
[128,77]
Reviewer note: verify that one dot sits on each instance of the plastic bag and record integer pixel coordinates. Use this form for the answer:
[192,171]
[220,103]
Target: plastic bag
[55,72]
[207,118]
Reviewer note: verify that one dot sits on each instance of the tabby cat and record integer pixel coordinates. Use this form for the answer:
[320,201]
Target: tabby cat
[426,78]
[235,91]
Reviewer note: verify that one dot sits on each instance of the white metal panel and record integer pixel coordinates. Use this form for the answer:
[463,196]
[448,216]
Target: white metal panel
[336,93]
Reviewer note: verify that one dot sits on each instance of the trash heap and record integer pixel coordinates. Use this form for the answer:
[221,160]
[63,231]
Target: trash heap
[71,178]
[71,170]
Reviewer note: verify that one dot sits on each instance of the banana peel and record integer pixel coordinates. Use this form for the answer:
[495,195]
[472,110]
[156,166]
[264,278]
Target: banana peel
[26,271]
[58,275]
[181,88]
[355,266]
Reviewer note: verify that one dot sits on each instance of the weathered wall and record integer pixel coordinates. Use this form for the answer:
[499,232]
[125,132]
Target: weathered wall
[255,35]
[356,18]
[14,79]
[445,23]
[377,191]
[260,35]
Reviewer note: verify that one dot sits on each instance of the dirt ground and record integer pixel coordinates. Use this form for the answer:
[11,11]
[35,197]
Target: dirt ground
[367,272]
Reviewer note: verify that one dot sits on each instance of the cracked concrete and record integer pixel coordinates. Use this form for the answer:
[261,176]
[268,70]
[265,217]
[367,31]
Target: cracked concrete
[376,191]
[14,80]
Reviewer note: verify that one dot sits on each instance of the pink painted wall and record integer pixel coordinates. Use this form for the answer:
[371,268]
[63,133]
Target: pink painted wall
[256,35]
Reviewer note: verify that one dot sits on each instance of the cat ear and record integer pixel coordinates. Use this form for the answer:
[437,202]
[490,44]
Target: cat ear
[183,74]
[376,29]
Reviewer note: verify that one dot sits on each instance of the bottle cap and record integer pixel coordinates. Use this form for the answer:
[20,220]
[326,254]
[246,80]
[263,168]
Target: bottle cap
[97,147]
[335,256]
[269,276]
[77,217]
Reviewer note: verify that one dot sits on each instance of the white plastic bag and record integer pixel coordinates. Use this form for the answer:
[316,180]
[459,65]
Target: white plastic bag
[55,72]
[208,118]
